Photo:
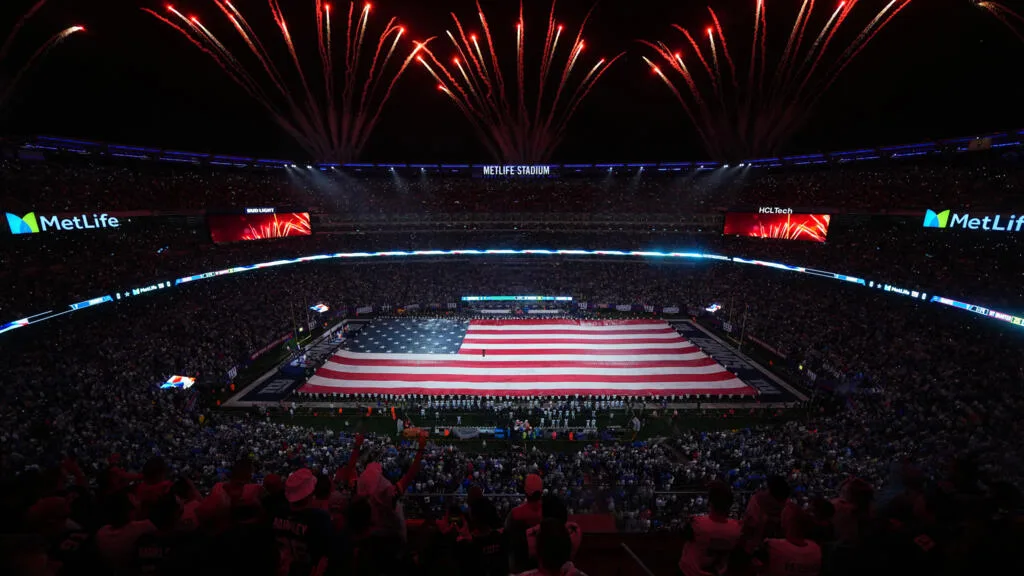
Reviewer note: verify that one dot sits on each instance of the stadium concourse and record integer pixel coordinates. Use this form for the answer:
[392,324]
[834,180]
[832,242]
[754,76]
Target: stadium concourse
[895,451]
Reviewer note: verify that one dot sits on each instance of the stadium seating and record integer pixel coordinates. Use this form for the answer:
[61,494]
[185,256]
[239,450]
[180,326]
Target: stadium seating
[918,402]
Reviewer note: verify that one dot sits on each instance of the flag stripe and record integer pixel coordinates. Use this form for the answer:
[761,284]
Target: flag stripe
[539,371]
[578,350]
[527,356]
[524,324]
[600,333]
[431,361]
[398,388]
[503,378]
[554,359]
[621,342]
[582,337]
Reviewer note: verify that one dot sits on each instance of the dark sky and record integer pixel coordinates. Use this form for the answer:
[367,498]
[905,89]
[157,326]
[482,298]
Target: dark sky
[943,68]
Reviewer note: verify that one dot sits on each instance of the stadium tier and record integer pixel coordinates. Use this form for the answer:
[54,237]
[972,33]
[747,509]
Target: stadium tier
[626,338]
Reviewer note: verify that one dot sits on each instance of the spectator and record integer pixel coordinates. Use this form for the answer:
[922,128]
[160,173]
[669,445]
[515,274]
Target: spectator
[711,538]
[481,549]
[763,518]
[116,542]
[303,532]
[793,554]
[554,549]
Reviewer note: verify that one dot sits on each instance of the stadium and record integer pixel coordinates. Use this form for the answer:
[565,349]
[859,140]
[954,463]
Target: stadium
[400,313]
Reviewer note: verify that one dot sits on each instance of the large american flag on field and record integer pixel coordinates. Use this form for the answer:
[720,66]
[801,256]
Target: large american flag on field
[522,357]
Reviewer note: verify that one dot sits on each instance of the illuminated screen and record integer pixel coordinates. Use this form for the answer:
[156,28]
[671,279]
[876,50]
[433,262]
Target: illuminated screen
[517,298]
[811,227]
[183,382]
[239,227]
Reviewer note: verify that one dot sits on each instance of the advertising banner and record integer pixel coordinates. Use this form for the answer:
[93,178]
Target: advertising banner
[244,227]
[808,227]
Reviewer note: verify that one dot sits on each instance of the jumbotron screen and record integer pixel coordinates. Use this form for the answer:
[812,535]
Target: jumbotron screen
[241,227]
[810,227]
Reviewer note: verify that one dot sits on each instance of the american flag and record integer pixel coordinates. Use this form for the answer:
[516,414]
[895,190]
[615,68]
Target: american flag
[521,358]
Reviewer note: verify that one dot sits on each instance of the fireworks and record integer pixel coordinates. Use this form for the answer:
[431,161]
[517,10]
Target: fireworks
[742,115]
[519,126]
[296,224]
[1013,20]
[330,124]
[8,43]
[813,227]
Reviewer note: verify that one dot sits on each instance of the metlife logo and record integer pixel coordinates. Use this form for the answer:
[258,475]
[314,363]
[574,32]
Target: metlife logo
[774,210]
[987,223]
[31,224]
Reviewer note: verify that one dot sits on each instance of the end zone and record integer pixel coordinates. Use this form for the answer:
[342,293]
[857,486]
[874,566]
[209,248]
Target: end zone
[772,389]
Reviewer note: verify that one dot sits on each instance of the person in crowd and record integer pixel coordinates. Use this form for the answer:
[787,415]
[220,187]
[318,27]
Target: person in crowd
[116,542]
[554,551]
[553,507]
[154,484]
[166,550]
[481,547]
[385,498]
[303,532]
[763,517]
[522,518]
[711,538]
[793,555]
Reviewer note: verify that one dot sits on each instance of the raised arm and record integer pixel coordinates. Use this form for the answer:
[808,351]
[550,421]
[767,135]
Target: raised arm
[345,474]
[410,475]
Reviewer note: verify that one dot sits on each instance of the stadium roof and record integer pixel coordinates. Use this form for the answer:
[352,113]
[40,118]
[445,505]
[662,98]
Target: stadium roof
[972,143]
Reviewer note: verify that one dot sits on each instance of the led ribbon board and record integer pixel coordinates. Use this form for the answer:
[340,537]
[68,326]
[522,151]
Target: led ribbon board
[517,298]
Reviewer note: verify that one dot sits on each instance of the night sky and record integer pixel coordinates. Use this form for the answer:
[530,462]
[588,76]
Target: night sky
[943,68]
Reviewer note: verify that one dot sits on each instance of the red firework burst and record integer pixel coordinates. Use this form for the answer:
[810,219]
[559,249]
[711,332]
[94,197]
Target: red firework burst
[279,226]
[743,115]
[330,124]
[513,126]
[1012,20]
[8,43]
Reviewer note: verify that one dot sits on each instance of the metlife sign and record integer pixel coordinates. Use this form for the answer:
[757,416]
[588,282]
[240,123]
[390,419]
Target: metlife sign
[31,224]
[987,222]
[516,171]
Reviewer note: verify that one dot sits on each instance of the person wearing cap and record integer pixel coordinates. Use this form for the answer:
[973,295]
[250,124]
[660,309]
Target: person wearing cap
[520,519]
[529,513]
[303,532]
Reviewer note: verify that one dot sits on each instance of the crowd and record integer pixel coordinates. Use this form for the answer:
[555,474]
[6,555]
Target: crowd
[931,387]
[913,467]
[44,273]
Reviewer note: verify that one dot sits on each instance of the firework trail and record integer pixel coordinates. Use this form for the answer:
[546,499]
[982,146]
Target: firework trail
[474,81]
[745,116]
[1012,20]
[816,230]
[287,225]
[330,125]
[7,90]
